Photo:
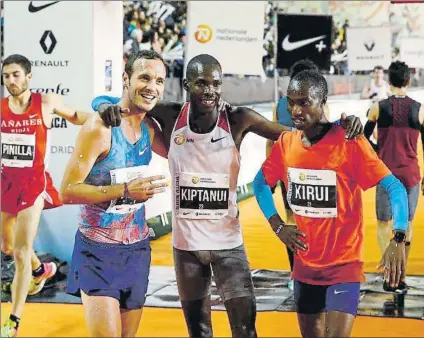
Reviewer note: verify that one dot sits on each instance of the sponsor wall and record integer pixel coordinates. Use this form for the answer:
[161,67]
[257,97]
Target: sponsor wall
[235,40]
[368,47]
[68,47]
[404,19]
[296,40]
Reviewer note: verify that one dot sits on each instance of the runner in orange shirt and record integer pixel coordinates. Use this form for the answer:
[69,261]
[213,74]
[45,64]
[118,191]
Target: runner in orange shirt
[324,174]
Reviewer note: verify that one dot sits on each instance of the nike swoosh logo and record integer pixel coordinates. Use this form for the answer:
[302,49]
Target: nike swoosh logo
[288,46]
[34,8]
[337,292]
[32,116]
[141,152]
[218,139]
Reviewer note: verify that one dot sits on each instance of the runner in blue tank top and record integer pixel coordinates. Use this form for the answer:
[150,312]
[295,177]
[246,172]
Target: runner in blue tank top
[107,176]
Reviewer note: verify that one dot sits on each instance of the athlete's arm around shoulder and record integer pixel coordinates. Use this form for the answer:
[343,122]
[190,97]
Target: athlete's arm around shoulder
[270,143]
[259,125]
[55,106]
[93,141]
[166,112]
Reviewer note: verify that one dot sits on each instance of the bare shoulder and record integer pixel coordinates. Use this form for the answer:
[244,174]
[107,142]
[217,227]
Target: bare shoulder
[244,110]
[95,128]
[242,113]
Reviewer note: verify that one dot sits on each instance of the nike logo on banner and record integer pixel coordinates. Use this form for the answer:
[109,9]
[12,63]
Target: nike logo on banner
[33,116]
[288,46]
[33,8]
[337,292]
[218,139]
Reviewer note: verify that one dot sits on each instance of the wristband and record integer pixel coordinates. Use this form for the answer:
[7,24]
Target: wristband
[280,227]
[398,236]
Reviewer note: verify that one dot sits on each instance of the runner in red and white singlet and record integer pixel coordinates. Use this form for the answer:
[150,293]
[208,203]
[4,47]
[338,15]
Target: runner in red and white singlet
[25,144]
[27,188]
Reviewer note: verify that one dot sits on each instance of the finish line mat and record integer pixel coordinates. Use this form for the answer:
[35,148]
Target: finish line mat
[271,291]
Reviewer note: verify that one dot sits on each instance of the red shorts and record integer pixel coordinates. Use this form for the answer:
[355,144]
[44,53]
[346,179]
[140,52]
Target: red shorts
[20,192]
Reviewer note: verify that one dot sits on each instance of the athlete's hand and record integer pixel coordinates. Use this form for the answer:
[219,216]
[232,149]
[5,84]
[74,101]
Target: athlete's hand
[141,189]
[111,114]
[353,126]
[288,234]
[393,263]
[224,105]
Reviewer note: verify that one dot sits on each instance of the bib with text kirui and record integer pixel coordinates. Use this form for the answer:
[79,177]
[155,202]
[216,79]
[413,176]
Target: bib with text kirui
[312,193]
[17,150]
[124,175]
[201,196]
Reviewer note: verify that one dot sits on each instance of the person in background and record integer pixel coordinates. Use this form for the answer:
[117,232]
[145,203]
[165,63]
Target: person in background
[399,121]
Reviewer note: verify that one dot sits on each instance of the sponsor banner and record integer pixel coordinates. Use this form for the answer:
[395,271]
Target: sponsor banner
[60,53]
[296,39]
[412,51]
[234,39]
[368,47]
[66,59]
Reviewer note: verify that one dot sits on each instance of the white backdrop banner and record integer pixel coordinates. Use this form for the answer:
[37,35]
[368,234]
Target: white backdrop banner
[231,31]
[67,53]
[412,51]
[368,47]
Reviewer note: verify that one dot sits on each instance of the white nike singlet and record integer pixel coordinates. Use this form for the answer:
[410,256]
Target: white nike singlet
[204,170]
[381,90]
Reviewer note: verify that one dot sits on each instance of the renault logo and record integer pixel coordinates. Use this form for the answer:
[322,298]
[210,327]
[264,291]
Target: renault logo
[48,42]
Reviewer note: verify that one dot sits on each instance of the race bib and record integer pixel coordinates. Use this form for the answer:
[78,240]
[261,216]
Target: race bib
[124,175]
[312,193]
[201,196]
[17,150]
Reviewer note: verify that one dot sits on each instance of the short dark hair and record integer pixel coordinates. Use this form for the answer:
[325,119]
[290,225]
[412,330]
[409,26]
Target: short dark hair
[19,60]
[301,65]
[378,68]
[204,59]
[143,54]
[314,80]
[399,74]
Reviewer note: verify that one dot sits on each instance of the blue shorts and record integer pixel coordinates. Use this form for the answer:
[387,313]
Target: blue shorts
[313,299]
[112,270]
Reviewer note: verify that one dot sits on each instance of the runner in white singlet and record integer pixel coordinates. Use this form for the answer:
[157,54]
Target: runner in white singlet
[377,89]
